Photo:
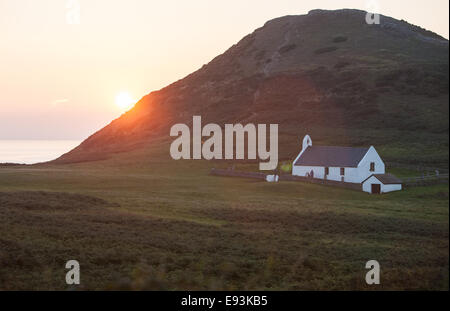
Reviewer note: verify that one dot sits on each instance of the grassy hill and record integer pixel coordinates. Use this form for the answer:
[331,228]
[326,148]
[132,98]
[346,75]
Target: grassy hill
[327,73]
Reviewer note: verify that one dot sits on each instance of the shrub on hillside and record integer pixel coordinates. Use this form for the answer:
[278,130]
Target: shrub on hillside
[338,39]
[287,48]
[327,49]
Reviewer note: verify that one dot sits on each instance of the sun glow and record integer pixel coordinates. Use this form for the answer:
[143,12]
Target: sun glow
[124,101]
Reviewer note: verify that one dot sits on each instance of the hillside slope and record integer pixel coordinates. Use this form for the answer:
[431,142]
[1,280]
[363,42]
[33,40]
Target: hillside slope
[327,73]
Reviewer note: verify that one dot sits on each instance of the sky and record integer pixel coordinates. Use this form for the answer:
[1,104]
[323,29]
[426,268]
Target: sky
[64,64]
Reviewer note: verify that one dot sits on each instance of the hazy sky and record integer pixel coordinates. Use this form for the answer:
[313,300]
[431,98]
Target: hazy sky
[60,80]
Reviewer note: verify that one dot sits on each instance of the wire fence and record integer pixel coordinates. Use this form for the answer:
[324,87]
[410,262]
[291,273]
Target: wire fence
[426,180]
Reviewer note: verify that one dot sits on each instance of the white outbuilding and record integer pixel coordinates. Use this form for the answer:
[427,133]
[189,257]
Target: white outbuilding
[343,164]
[381,183]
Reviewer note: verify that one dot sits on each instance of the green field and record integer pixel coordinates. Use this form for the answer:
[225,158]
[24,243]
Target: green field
[155,223]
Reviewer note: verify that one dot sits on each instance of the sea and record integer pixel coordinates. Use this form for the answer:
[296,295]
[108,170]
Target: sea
[34,151]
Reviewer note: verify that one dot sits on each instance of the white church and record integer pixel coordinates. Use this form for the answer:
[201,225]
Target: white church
[345,164]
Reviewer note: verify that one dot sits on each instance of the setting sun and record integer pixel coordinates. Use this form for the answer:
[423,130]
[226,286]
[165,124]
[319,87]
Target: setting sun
[124,101]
